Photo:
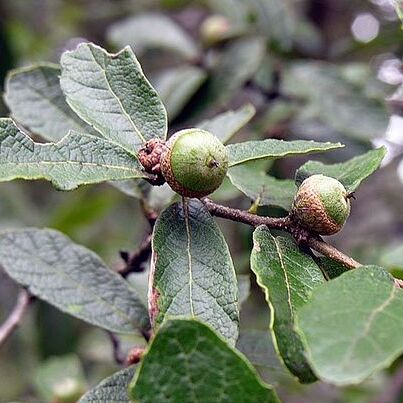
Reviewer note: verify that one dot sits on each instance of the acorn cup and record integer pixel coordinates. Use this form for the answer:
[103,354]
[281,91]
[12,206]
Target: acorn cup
[321,205]
[194,163]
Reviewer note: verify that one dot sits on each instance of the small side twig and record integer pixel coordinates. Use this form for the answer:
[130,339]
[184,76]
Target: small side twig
[285,224]
[135,260]
[15,317]
[116,348]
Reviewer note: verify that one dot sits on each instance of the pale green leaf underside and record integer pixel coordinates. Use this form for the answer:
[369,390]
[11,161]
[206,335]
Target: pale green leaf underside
[112,389]
[226,124]
[187,361]
[350,173]
[353,325]
[263,189]
[177,85]
[152,30]
[110,92]
[192,270]
[287,277]
[71,278]
[36,101]
[273,149]
[77,159]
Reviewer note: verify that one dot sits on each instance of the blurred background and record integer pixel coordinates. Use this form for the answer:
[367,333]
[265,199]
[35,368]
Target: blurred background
[327,70]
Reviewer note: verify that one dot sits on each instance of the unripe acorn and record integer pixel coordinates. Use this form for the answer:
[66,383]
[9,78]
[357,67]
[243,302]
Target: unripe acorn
[194,163]
[321,205]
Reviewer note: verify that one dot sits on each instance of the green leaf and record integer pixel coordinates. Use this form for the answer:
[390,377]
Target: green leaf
[226,124]
[262,188]
[152,30]
[71,278]
[77,159]
[111,93]
[192,272]
[60,374]
[186,359]
[287,277]
[331,267]
[36,101]
[237,64]
[274,149]
[112,389]
[350,173]
[258,347]
[177,85]
[353,325]
[334,100]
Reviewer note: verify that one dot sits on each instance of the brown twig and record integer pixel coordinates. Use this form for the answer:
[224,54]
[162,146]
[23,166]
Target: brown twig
[116,348]
[285,224]
[15,317]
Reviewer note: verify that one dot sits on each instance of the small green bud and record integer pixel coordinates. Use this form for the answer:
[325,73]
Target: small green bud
[194,163]
[321,205]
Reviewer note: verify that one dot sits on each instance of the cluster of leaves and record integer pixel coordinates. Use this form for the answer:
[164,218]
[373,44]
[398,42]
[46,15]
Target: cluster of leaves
[93,122]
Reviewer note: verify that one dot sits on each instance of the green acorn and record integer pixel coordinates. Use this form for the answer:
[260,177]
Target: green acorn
[194,163]
[321,205]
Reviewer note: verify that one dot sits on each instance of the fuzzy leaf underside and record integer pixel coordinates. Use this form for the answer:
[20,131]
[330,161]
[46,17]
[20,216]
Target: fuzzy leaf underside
[192,271]
[274,149]
[226,124]
[261,188]
[188,361]
[287,277]
[71,278]
[350,173]
[36,101]
[111,93]
[77,159]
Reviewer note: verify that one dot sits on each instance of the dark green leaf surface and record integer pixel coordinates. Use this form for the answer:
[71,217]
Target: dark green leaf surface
[152,30]
[188,362]
[36,101]
[71,278]
[226,124]
[77,159]
[287,277]
[353,325]
[273,149]
[262,188]
[192,272]
[110,92]
[177,85]
[350,173]
[112,389]
[332,268]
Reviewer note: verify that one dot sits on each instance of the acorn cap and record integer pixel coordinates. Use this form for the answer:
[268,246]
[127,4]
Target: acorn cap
[321,205]
[194,163]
